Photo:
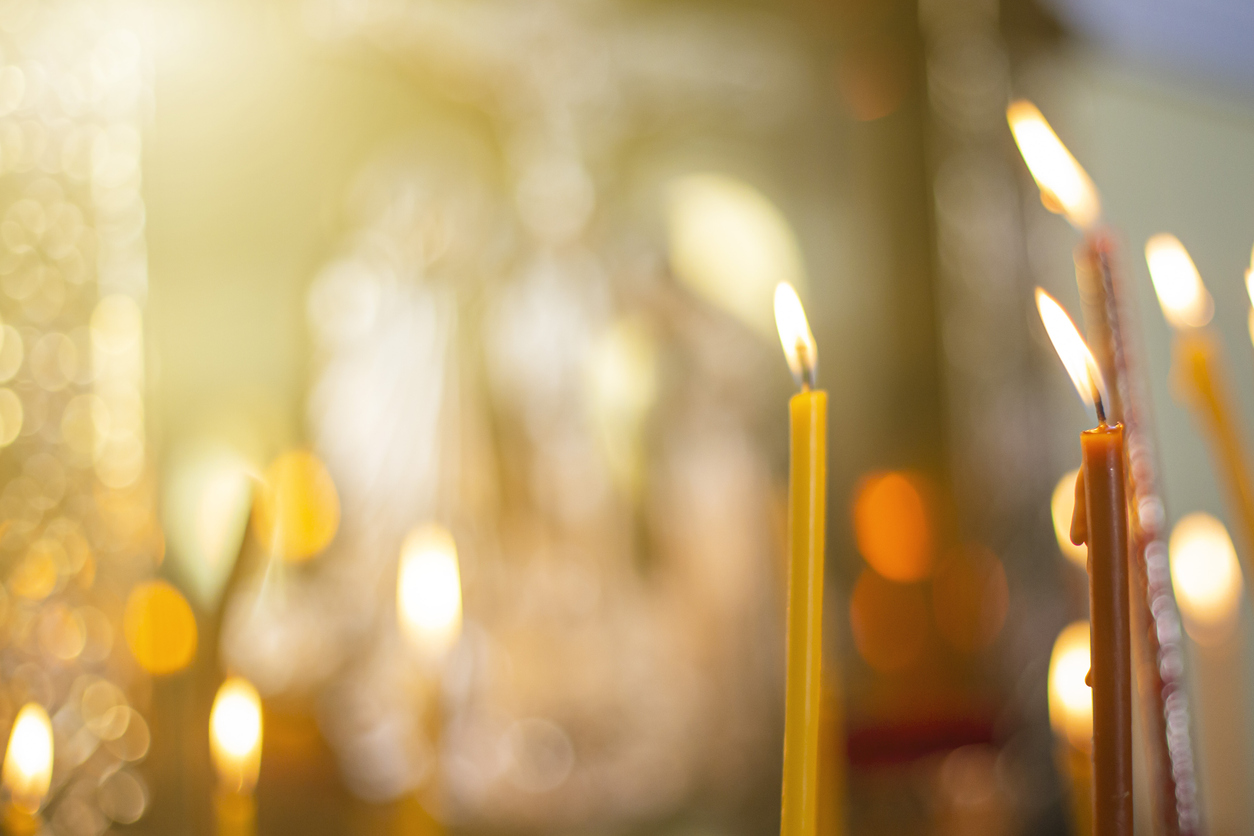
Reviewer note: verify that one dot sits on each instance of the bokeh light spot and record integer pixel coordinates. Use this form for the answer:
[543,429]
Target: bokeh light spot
[890,523]
[970,598]
[297,508]
[1070,699]
[160,628]
[889,622]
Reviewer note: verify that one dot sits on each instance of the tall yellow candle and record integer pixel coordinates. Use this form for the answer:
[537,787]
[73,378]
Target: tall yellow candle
[1199,375]
[807,516]
[1209,588]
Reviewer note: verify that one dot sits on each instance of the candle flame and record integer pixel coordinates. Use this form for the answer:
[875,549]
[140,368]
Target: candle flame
[1181,294]
[28,762]
[1206,577]
[235,728]
[429,590]
[1072,350]
[1249,288]
[1065,187]
[1070,699]
[794,334]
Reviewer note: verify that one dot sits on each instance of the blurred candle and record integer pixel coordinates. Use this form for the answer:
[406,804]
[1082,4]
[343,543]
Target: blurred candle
[1199,374]
[1101,521]
[1208,587]
[27,771]
[1065,187]
[807,503]
[1249,288]
[429,592]
[429,613]
[235,727]
[1071,716]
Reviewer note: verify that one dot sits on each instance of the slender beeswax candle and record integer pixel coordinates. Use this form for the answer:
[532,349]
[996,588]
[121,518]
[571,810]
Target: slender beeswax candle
[1104,526]
[1101,521]
[807,503]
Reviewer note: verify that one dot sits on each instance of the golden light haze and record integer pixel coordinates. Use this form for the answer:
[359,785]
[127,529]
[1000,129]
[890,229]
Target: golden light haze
[794,334]
[1206,576]
[1065,186]
[1181,294]
[28,759]
[235,728]
[1070,699]
[1071,348]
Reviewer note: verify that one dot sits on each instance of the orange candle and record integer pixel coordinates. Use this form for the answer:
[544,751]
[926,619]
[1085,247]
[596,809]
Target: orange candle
[807,516]
[1101,521]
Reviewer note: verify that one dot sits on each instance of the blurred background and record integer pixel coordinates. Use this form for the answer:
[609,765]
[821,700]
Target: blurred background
[413,364]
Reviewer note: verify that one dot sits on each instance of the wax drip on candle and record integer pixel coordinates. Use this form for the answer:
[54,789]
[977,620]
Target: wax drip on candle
[794,335]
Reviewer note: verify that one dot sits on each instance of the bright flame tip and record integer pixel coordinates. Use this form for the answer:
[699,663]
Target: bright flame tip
[1065,185]
[1076,357]
[795,336]
[1182,296]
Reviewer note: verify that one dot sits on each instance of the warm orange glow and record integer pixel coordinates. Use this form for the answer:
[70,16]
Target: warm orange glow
[970,598]
[1072,349]
[1070,699]
[28,759]
[1065,187]
[1181,294]
[1061,507]
[297,510]
[1206,576]
[794,334]
[235,735]
[889,622]
[891,526]
[429,591]
[160,628]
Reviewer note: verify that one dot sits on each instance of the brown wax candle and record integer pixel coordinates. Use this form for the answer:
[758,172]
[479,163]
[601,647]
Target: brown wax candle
[1103,524]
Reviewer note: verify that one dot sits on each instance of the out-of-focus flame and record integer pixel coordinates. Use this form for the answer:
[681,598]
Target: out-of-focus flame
[731,245]
[1206,577]
[1249,288]
[1065,187]
[1061,507]
[28,760]
[1072,349]
[794,334]
[235,735]
[1070,699]
[429,591]
[1181,294]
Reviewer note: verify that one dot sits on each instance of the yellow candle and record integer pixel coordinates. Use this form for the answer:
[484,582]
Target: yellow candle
[1199,374]
[235,728]
[27,772]
[807,513]
[1208,585]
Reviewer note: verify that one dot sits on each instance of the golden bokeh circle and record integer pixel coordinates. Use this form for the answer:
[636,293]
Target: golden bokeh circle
[297,510]
[160,628]
[892,528]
